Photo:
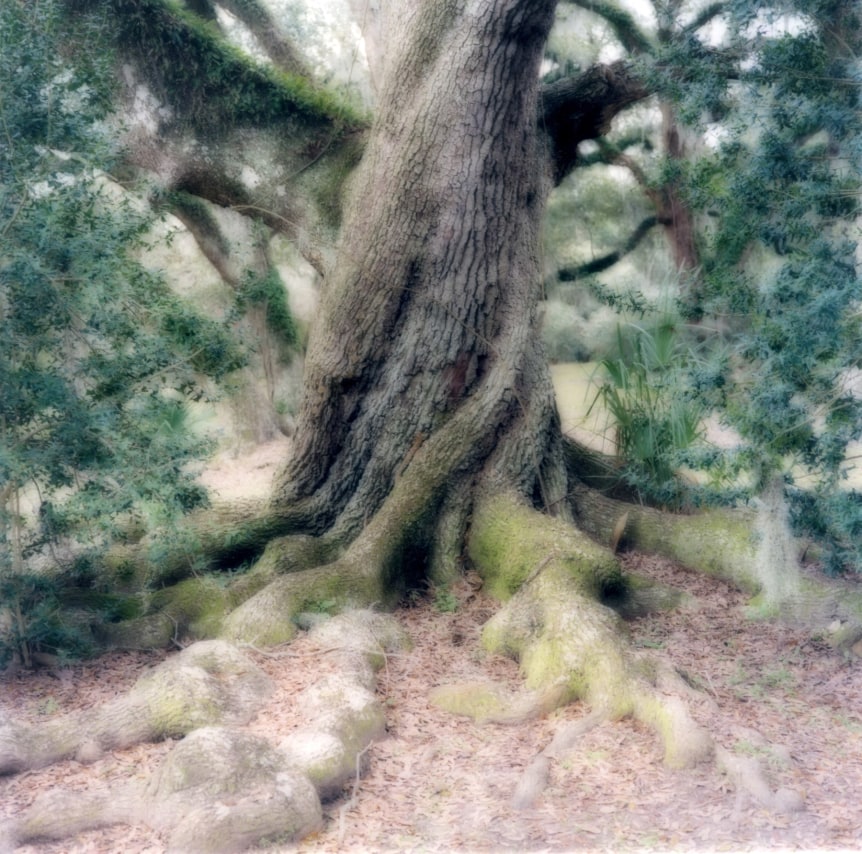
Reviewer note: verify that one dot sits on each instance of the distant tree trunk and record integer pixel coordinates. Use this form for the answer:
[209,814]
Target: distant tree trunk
[676,215]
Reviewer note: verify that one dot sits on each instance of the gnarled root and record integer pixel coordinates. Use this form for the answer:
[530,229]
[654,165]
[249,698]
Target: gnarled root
[209,683]
[268,617]
[218,790]
[569,645]
[746,770]
[535,779]
[222,789]
[726,543]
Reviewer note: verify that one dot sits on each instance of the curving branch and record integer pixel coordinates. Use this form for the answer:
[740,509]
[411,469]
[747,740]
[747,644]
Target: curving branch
[207,81]
[632,38]
[575,109]
[704,17]
[262,26]
[604,262]
[209,111]
[606,154]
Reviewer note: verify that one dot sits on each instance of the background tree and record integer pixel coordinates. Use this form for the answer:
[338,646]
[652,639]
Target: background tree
[768,201]
[780,266]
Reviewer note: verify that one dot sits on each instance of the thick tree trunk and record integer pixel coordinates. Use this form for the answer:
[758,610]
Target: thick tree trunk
[433,300]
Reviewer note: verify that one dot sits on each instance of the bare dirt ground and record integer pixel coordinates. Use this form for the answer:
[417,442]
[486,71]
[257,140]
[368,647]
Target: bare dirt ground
[442,783]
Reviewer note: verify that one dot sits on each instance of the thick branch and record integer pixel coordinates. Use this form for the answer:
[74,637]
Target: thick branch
[208,82]
[205,119]
[580,108]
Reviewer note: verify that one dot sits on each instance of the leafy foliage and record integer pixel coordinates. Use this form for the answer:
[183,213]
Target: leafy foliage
[267,291]
[99,356]
[775,204]
[656,420]
[782,192]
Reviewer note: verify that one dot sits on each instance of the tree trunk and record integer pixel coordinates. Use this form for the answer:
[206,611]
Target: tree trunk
[432,305]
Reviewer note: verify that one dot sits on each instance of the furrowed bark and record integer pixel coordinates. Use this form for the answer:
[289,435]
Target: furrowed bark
[436,287]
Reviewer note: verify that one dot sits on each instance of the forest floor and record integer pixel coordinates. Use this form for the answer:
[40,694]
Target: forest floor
[444,783]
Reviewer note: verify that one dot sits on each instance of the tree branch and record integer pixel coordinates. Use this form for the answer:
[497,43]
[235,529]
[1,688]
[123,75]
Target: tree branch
[578,108]
[606,154]
[206,81]
[704,17]
[632,38]
[209,103]
[279,49]
[603,262]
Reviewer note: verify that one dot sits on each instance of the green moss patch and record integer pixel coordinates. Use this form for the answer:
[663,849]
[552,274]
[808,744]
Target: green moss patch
[480,701]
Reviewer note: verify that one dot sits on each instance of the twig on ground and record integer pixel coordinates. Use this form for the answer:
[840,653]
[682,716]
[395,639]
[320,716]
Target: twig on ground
[342,813]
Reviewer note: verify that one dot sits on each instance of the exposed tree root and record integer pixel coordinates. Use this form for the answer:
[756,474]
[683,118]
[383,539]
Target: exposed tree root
[209,683]
[571,646]
[218,790]
[718,542]
[747,775]
[728,544]
[205,537]
[268,617]
[222,789]
[535,778]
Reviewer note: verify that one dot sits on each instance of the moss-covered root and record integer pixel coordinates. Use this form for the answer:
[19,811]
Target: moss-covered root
[569,645]
[268,617]
[354,580]
[724,543]
[223,789]
[344,714]
[197,607]
[218,790]
[205,537]
[209,683]
[193,608]
[720,542]
[511,544]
